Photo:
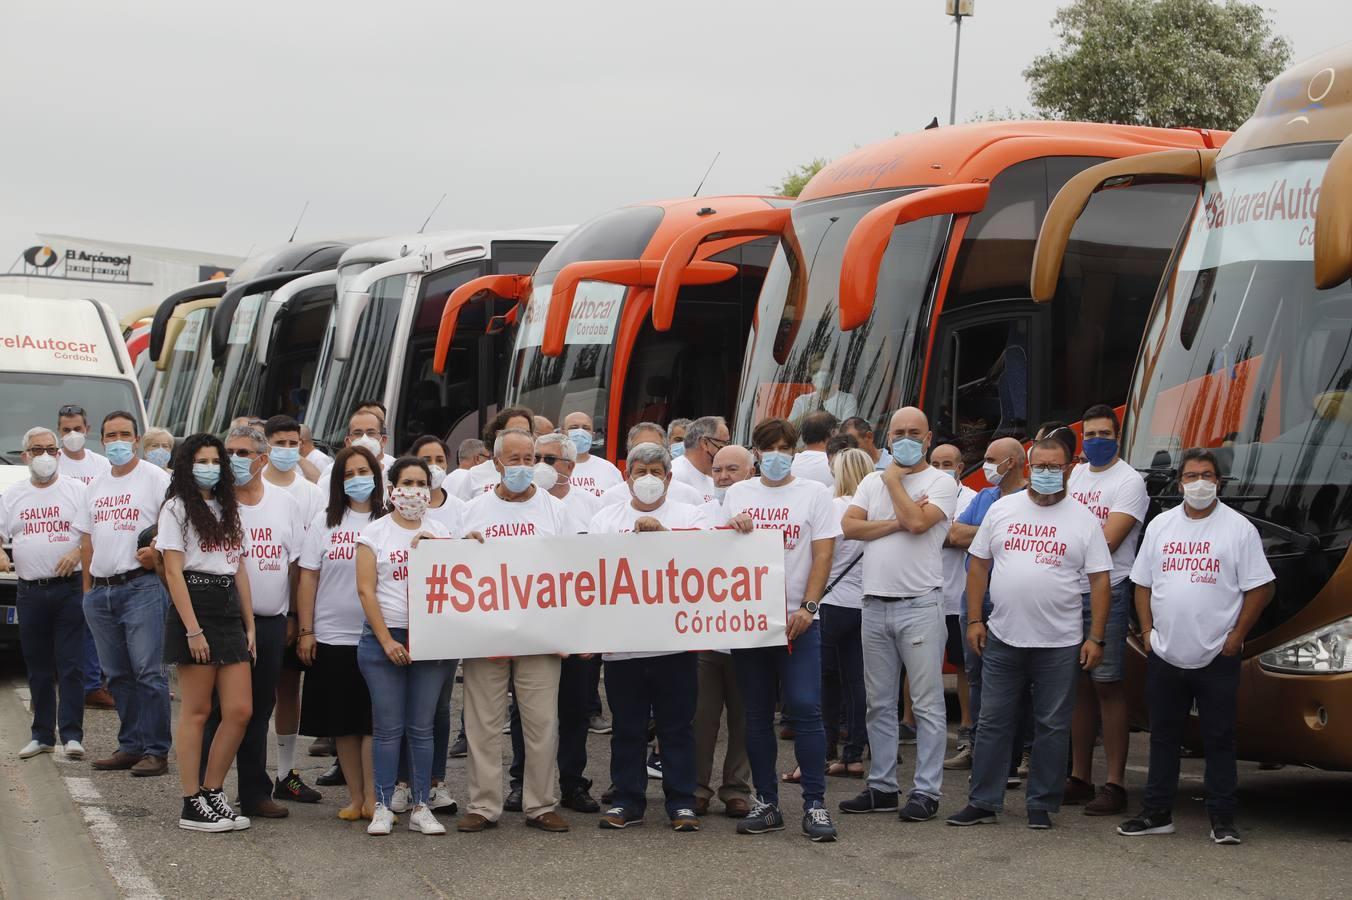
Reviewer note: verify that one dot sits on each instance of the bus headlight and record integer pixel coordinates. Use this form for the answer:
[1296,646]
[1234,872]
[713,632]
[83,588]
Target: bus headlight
[1326,651]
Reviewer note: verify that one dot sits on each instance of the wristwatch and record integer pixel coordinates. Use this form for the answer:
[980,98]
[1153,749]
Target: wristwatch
[1100,641]
[811,606]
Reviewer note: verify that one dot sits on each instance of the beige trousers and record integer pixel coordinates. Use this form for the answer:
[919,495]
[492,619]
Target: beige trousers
[717,689]
[536,685]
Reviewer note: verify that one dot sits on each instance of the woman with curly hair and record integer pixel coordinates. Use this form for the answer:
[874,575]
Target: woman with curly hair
[209,633]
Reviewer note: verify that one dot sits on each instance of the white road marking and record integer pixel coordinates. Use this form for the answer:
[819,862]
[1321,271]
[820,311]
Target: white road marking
[118,855]
[82,790]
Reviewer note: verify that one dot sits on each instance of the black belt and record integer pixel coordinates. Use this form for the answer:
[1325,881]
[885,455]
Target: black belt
[49,582]
[119,578]
[202,579]
[899,599]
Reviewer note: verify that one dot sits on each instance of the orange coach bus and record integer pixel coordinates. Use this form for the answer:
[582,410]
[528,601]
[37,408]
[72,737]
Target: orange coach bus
[1248,352]
[584,338]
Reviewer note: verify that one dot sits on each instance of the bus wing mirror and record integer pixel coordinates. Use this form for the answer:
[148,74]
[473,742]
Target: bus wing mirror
[1071,200]
[1333,221]
[867,243]
[280,299]
[756,223]
[355,297]
[214,287]
[507,287]
[223,322]
[628,272]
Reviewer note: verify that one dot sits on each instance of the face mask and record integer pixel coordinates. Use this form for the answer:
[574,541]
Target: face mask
[720,493]
[410,502]
[438,476]
[648,488]
[119,452]
[957,475]
[359,487]
[776,465]
[677,449]
[907,452]
[1199,494]
[73,441]
[43,466]
[243,469]
[993,473]
[206,474]
[582,440]
[158,456]
[284,459]
[1100,451]
[1048,482]
[370,444]
[544,476]
[517,478]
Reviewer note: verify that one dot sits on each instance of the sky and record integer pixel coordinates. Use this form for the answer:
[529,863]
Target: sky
[209,126]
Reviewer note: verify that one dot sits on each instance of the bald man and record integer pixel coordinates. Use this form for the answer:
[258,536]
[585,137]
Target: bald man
[902,515]
[732,464]
[948,458]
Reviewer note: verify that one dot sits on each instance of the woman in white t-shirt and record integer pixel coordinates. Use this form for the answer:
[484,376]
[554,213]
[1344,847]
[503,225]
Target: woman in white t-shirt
[843,696]
[336,703]
[209,632]
[404,693]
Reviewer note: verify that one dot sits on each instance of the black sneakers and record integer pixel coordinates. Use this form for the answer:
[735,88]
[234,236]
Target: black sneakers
[199,815]
[222,807]
[817,824]
[512,802]
[1148,821]
[971,815]
[1223,830]
[870,801]
[578,798]
[919,808]
[764,817]
[619,817]
[332,776]
[293,789]
[1039,819]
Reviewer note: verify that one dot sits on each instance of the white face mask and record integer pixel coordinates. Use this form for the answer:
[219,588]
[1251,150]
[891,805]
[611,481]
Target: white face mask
[73,441]
[648,488]
[992,471]
[438,476]
[545,477]
[370,444]
[43,466]
[1199,494]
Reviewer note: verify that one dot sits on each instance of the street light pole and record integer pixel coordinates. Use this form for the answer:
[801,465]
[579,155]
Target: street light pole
[958,9]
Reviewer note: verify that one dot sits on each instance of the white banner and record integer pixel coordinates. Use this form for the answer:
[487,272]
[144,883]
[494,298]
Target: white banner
[596,310]
[622,593]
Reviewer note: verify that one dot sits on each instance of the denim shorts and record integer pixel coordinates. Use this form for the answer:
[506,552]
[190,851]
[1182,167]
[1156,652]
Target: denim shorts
[1111,668]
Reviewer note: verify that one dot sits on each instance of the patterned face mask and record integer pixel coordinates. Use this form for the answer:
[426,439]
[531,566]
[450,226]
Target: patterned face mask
[410,502]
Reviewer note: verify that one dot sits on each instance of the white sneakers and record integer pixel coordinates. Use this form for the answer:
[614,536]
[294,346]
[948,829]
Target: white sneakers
[382,821]
[401,799]
[440,799]
[74,750]
[33,748]
[423,820]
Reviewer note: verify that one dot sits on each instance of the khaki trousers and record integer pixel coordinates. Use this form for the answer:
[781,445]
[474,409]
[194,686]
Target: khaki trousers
[717,689]
[536,686]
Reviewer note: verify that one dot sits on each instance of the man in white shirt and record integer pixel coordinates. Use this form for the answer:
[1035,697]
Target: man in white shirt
[1114,492]
[1202,580]
[558,452]
[318,458]
[948,458]
[705,437]
[365,428]
[651,433]
[469,454]
[124,603]
[514,508]
[284,467]
[675,437]
[811,462]
[863,433]
[1031,549]
[36,516]
[901,515]
[591,473]
[484,477]
[825,394]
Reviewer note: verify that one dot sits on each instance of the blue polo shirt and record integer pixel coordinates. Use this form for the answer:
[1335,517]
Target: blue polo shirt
[976,511]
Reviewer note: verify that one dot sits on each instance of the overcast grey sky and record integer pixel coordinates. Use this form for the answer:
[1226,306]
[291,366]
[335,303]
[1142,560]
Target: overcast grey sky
[209,125]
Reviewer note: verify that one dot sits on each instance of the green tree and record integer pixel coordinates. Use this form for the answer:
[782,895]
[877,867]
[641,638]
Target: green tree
[797,179]
[1158,62]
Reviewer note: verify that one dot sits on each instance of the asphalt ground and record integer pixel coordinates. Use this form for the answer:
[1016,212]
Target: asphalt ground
[70,831]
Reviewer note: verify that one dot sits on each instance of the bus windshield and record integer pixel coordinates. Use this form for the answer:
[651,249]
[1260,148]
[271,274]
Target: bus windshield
[170,406]
[1244,356]
[31,398]
[799,360]
[233,388]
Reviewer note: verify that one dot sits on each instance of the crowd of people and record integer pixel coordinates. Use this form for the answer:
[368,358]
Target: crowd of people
[273,578]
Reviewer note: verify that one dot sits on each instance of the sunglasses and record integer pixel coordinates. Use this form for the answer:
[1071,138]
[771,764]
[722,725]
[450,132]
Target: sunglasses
[241,453]
[70,410]
[38,451]
[550,460]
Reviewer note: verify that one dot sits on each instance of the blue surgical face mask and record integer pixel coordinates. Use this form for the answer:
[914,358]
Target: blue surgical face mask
[517,478]
[776,465]
[359,487]
[677,449]
[243,469]
[1100,451]
[158,456]
[1047,482]
[284,459]
[206,474]
[119,452]
[907,451]
[582,440]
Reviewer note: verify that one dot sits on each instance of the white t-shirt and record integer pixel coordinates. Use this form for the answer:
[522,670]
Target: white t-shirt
[86,470]
[480,480]
[904,564]
[582,505]
[678,491]
[684,471]
[455,482]
[1040,553]
[1117,489]
[273,532]
[713,510]
[38,521]
[117,509]
[450,514]
[332,553]
[495,518]
[955,561]
[319,459]
[595,475]
[849,590]
[812,464]
[199,555]
[801,510]
[391,542]
[1197,571]
[311,499]
[841,405]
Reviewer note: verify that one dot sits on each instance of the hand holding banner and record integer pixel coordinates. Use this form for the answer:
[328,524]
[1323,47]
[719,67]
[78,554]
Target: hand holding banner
[595,593]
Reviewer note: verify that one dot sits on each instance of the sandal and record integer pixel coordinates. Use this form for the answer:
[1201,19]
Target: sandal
[840,769]
[794,777]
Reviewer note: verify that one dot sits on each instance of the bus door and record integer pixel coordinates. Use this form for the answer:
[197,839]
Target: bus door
[293,351]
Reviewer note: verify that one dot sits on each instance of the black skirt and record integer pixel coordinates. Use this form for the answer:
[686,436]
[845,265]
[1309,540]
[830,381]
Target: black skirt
[335,701]
[216,606]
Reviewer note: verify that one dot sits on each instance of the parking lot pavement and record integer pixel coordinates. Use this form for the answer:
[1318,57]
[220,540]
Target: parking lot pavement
[1297,832]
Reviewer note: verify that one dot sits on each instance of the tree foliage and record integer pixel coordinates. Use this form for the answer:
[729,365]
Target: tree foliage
[1158,62]
[797,179]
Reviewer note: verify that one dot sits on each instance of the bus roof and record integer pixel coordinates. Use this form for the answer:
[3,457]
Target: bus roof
[980,151]
[1311,101]
[395,246]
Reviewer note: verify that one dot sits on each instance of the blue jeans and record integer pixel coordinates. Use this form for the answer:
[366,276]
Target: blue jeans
[51,633]
[972,662]
[93,672]
[843,695]
[403,704]
[1053,673]
[1111,668]
[441,732]
[128,625]
[796,671]
[665,687]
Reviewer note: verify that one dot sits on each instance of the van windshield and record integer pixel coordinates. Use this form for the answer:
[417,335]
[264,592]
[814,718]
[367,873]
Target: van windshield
[30,399]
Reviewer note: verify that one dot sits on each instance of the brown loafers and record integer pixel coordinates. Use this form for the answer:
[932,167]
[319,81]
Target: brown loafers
[550,821]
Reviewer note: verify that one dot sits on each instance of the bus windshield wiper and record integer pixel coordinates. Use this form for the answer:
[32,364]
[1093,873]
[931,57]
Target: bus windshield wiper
[1302,540]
